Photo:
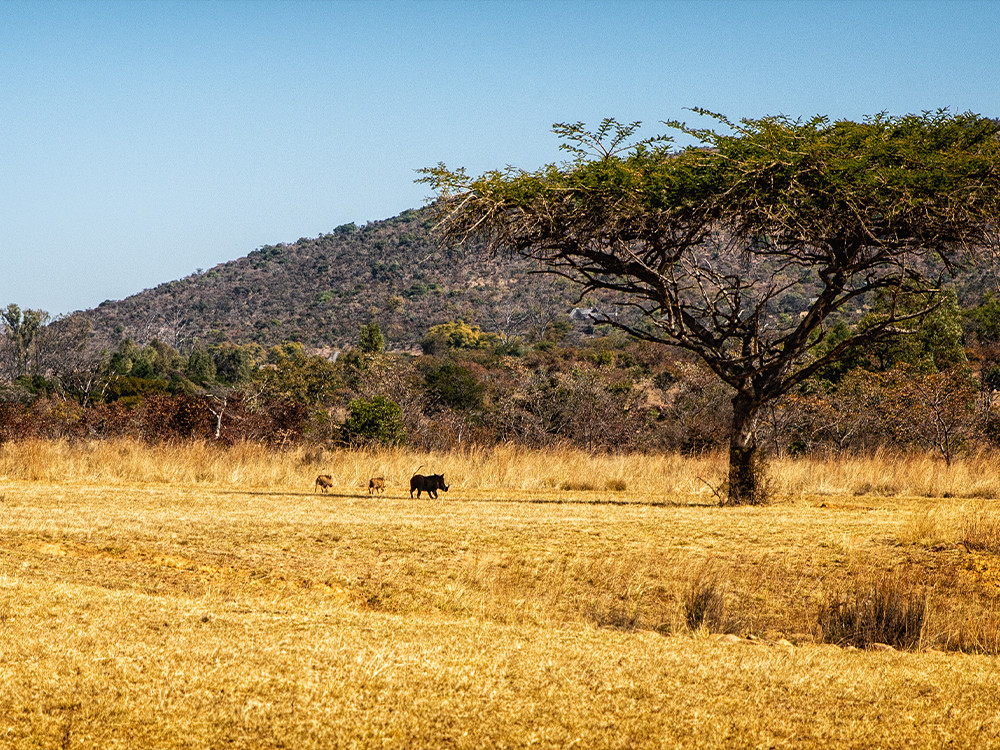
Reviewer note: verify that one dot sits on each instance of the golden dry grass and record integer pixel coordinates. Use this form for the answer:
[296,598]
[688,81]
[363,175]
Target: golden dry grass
[192,596]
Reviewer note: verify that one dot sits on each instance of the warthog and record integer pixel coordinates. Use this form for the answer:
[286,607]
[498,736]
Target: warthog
[324,482]
[430,484]
[376,483]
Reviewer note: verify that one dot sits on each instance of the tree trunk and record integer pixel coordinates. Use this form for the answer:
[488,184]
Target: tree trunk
[746,481]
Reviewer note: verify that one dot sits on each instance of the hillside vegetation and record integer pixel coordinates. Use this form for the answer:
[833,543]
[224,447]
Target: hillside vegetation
[320,291]
[376,335]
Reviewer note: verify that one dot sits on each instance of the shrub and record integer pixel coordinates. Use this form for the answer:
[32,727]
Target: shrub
[455,386]
[886,609]
[981,531]
[457,335]
[570,486]
[377,421]
[705,604]
[371,340]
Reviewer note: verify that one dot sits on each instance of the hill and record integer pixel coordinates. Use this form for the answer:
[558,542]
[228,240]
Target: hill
[321,291]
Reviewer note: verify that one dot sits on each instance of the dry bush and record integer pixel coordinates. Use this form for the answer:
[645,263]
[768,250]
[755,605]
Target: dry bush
[926,527]
[705,603]
[887,609]
[981,530]
[886,473]
[618,601]
[972,627]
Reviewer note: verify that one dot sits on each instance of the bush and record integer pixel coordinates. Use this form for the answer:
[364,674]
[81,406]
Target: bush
[705,604]
[457,335]
[981,531]
[885,610]
[377,421]
[371,340]
[455,386]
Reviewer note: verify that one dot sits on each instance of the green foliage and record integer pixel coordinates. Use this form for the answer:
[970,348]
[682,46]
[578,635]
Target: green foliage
[931,341]
[37,385]
[603,358]
[121,360]
[298,377]
[854,357]
[22,327]
[983,320]
[454,385]
[457,335]
[156,361]
[556,332]
[940,333]
[375,421]
[132,389]
[200,367]
[234,365]
[371,340]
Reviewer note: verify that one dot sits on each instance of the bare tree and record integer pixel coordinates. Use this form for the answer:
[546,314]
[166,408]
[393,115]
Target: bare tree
[75,357]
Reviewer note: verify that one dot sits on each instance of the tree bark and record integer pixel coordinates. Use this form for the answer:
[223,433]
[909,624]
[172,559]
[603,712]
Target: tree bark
[746,481]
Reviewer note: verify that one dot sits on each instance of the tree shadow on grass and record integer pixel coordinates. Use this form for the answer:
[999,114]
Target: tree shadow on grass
[514,501]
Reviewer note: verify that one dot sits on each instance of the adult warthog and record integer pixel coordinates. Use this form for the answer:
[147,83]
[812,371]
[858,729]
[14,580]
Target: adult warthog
[429,484]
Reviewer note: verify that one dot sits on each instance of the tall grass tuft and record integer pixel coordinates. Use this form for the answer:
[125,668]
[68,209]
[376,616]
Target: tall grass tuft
[887,609]
[925,527]
[981,530]
[705,603]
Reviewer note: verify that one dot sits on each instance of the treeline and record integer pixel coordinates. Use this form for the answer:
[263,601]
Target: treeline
[932,389]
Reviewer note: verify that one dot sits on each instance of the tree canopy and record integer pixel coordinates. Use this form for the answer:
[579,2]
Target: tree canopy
[711,244]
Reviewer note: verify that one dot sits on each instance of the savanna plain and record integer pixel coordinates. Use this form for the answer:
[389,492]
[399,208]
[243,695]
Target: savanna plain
[195,596]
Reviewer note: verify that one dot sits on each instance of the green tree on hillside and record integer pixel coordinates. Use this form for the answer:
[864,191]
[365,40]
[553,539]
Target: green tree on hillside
[234,364]
[454,385]
[22,328]
[378,421]
[371,340]
[706,244]
[200,367]
[457,335]
[292,374]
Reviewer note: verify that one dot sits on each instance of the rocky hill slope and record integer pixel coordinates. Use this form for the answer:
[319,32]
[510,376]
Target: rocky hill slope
[321,291]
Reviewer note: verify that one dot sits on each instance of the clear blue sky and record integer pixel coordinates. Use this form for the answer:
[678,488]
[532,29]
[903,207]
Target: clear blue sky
[141,141]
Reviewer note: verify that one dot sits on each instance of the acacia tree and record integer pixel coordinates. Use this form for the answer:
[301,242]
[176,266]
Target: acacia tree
[711,244]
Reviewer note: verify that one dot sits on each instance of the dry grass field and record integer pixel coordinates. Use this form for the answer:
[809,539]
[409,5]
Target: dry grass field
[198,597]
